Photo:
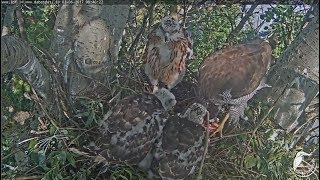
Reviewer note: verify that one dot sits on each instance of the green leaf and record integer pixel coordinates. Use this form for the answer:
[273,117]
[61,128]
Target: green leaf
[258,164]
[42,159]
[71,159]
[32,144]
[27,87]
[83,114]
[250,161]
[63,156]
[123,177]
[52,130]
[129,173]
[46,177]
[34,157]
[20,158]
[64,131]
[59,176]
[200,177]
[20,82]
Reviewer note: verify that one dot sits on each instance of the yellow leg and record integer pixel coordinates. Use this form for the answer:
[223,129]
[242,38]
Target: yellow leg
[221,125]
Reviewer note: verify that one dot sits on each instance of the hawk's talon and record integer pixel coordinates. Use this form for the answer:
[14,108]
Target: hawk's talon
[221,126]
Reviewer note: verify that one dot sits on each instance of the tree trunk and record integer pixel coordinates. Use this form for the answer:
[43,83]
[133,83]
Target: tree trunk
[297,71]
[7,20]
[86,44]
[16,55]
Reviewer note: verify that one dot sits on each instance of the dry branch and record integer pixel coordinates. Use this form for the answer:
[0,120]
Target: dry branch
[20,19]
[241,24]
[143,27]
[206,144]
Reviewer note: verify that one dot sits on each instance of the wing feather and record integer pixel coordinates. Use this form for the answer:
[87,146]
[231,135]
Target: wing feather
[239,68]
[179,150]
[165,58]
[129,133]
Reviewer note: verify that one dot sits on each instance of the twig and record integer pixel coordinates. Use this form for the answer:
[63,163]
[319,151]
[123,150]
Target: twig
[80,153]
[313,129]
[66,165]
[263,119]
[302,136]
[185,8]
[79,136]
[241,24]
[28,177]
[127,88]
[193,74]
[306,18]
[303,125]
[20,19]
[47,114]
[117,96]
[230,135]
[247,169]
[39,132]
[199,3]
[257,29]
[31,169]
[224,165]
[206,144]
[27,140]
[61,99]
[91,78]
[143,27]
[11,153]
[44,110]
[75,129]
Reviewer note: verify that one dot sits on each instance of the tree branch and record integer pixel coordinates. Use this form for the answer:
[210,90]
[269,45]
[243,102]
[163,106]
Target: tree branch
[241,24]
[206,144]
[306,18]
[16,55]
[297,67]
[8,19]
[20,19]
[143,27]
